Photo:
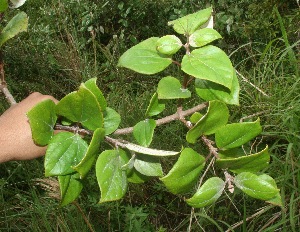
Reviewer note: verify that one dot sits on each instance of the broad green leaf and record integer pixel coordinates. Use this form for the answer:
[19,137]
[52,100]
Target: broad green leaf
[91,85]
[111,178]
[208,193]
[143,132]
[70,188]
[209,91]
[111,120]
[90,156]
[168,44]
[149,151]
[196,117]
[255,186]
[246,163]
[236,134]
[15,26]
[136,177]
[170,88]
[83,107]
[65,150]
[148,165]
[3,5]
[42,119]
[185,172]
[217,115]
[17,3]
[144,58]
[190,23]
[154,107]
[209,63]
[203,37]
[277,199]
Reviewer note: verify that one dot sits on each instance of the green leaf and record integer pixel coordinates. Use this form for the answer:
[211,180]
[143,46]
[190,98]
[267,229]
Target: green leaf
[170,88]
[42,119]
[277,199]
[246,163]
[70,188]
[144,58]
[90,156]
[255,186]
[136,177]
[236,134]
[91,85]
[196,117]
[111,178]
[190,23]
[111,120]
[149,151]
[143,132]
[168,44]
[65,150]
[3,5]
[148,165]
[217,115]
[203,37]
[83,107]
[154,107]
[208,193]
[185,172]
[15,26]
[209,63]
[209,91]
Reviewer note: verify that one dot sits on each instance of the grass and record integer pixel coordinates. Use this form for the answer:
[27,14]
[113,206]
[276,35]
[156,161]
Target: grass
[59,52]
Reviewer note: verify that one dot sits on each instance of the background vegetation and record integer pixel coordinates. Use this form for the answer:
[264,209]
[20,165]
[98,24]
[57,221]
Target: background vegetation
[70,41]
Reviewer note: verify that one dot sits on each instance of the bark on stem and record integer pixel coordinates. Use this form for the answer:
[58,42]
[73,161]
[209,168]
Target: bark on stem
[7,95]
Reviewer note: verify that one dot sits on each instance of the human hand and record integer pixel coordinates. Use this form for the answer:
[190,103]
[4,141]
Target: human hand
[15,134]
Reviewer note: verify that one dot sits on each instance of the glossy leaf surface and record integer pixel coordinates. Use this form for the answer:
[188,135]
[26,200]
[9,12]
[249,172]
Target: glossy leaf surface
[136,177]
[208,193]
[168,44]
[209,63]
[42,119]
[90,156]
[255,186]
[190,23]
[185,172]
[70,188]
[209,91]
[91,85]
[143,132]
[203,37]
[149,151]
[65,150]
[154,107]
[144,58]
[148,165]
[236,134]
[277,199]
[170,88]
[111,178]
[216,116]
[83,107]
[112,120]
[245,163]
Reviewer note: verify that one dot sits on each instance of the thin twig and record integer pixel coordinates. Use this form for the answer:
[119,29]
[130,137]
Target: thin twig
[9,97]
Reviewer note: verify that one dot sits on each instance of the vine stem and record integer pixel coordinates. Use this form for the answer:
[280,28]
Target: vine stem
[3,86]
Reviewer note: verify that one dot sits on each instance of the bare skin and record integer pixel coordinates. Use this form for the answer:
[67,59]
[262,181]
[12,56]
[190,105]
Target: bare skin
[15,134]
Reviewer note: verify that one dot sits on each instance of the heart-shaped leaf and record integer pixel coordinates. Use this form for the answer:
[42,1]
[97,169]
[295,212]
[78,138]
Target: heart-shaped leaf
[209,91]
[91,85]
[111,178]
[111,120]
[208,193]
[154,107]
[203,36]
[70,188]
[170,88]
[144,58]
[168,44]
[190,23]
[185,172]
[209,63]
[246,163]
[89,158]
[143,132]
[217,115]
[236,134]
[148,165]
[83,107]
[65,150]
[255,186]
[42,119]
